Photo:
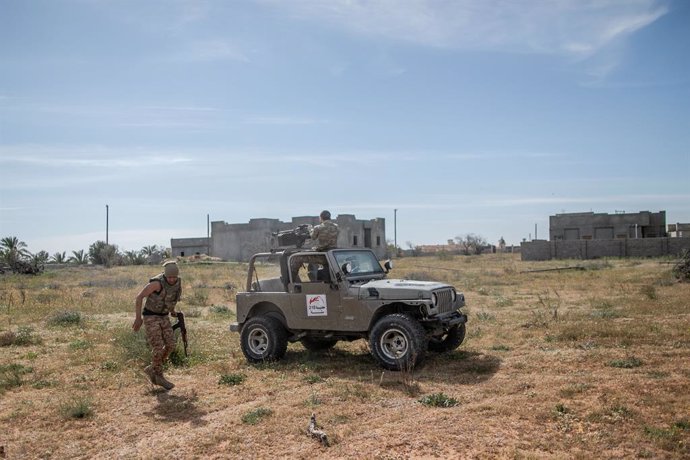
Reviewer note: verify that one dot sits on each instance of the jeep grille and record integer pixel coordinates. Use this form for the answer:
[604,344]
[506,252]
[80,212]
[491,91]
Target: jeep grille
[444,301]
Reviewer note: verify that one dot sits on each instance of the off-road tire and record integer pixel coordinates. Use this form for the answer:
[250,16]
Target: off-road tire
[317,343]
[448,341]
[398,342]
[263,338]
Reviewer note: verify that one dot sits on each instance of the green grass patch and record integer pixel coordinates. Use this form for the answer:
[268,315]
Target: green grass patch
[11,375]
[77,407]
[232,379]
[65,318]
[80,345]
[131,345]
[438,400]
[626,363]
[255,416]
[313,378]
[221,310]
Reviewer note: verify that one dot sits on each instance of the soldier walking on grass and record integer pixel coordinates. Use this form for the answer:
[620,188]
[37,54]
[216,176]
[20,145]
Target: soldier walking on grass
[162,294]
[325,235]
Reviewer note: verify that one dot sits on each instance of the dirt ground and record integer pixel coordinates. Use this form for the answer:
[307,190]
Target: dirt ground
[588,361]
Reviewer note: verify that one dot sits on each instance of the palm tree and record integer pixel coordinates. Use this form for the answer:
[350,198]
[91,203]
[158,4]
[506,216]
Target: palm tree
[78,257]
[134,258]
[13,249]
[40,258]
[59,258]
[149,250]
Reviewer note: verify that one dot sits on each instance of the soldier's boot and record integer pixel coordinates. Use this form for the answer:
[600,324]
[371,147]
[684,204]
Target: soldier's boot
[149,371]
[162,381]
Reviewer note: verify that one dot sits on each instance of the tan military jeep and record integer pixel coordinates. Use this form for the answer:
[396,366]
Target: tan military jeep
[319,298]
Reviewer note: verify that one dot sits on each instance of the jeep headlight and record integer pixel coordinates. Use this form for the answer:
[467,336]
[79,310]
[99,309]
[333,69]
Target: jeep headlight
[434,299]
[453,295]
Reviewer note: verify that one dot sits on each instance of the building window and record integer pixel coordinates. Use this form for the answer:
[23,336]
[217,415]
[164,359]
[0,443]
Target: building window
[354,240]
[181,253]
[378,241]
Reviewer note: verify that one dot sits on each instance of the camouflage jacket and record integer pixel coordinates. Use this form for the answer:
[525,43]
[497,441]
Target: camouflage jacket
[325,235]
[164,300]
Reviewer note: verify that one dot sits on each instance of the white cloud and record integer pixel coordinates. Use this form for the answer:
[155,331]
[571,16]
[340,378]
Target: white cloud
[574,28]
[87,156]
[212,50]
[286,121]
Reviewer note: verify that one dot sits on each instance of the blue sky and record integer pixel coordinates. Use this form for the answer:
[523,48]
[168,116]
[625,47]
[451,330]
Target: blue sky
[467,116]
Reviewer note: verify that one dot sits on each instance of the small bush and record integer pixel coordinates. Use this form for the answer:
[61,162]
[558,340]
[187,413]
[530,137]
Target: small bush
[198,297]
[562,409]
[24,336]
[648,291]
[220,309]
[485,316]
[313,378]
[627,363]
[77,407]
[132,345]
[438,400]
[504,302]
[65,318]
[500,347]
[682,269]
[11,375]
[7,338]
[109,366]
[232,379]
[79,345]
[255,416]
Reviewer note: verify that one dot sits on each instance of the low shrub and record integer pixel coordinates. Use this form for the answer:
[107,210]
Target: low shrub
[255,416]
[438,400]
[65,318]
[232,379]
[627,363]
[77,407]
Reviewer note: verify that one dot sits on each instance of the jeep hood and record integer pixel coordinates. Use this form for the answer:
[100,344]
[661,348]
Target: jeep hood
[397,289]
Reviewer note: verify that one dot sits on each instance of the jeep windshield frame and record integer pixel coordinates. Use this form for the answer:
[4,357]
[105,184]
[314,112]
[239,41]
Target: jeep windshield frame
[364,264]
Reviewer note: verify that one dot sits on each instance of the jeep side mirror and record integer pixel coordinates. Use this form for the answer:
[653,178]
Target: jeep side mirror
[346,267]
[388,265]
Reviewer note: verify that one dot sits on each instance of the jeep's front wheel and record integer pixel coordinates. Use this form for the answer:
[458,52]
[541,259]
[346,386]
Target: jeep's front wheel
[398,342]
[263,338]
[448,341]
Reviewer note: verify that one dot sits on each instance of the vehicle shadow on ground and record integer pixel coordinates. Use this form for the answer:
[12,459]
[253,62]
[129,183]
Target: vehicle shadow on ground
[177,407]
[459,367]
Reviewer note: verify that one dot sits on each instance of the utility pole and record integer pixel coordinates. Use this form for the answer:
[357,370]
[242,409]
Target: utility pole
[208,234]
[106,224]
[395,230]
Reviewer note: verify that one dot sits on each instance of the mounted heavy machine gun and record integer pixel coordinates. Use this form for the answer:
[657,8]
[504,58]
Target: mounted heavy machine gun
[294,237]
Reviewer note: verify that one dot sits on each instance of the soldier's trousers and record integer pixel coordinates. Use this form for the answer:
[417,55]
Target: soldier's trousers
[159,335]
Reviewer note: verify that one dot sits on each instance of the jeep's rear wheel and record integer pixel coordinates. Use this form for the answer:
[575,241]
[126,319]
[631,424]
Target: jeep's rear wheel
[398,342]
[448,341]
[263,338]
[317,343]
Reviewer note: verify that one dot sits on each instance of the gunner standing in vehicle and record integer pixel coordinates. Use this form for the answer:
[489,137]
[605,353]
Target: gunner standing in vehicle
[325,235]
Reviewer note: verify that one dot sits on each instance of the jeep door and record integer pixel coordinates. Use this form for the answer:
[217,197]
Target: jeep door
[314,297]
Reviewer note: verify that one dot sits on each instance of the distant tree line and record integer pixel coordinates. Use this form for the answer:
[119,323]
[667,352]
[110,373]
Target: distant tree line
[15,256]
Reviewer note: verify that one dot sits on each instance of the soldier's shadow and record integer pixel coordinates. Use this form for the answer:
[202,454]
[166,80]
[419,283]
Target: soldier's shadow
[177,407]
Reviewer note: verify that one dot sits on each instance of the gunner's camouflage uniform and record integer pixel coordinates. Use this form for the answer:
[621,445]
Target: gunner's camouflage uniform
[159,333]
[325,235]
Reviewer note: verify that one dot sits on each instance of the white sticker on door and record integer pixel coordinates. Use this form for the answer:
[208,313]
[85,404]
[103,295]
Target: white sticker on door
[316,305]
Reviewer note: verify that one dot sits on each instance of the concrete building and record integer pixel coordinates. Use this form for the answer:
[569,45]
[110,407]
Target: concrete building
[239,242]
[678,230]
[602,226]
[589,236]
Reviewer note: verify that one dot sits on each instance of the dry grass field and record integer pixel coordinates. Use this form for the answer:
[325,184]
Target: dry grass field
[591,363]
